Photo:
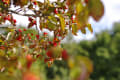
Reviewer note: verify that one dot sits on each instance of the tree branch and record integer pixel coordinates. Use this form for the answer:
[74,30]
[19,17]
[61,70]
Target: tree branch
[34,15]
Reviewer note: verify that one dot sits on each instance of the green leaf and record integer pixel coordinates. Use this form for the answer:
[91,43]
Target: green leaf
[51,26]
[96,9]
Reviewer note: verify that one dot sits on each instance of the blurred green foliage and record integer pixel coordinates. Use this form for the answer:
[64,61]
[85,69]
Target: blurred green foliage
[104,51]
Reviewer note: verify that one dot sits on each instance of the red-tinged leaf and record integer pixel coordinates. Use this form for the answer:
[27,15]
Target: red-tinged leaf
[30,25]
[96,9]
[39,56]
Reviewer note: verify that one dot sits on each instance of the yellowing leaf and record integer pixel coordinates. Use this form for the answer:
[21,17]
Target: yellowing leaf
[62,22]
[82,18]
[90,28]
[51,26]
[88,63]
[96,9]
[1,40]
[74,29]
[83,30]
[71,63]
[24,2]
[79,8]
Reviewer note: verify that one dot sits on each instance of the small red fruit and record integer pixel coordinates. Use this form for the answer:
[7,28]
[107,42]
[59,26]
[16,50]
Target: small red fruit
[54,44]
[19,38]
[29,38]
[49,54]
[37,36]
[34,22]
[31,34]
[24,30]
[45,33]
[56,11]
[14,21]
[30,19]
[35,3]
[19,30]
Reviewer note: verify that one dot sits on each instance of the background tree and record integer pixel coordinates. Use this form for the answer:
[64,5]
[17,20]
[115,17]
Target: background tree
[103,51]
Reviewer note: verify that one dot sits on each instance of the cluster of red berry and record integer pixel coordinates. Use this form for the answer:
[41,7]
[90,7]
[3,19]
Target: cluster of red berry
[32,22]
[8,18]
[60,10]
